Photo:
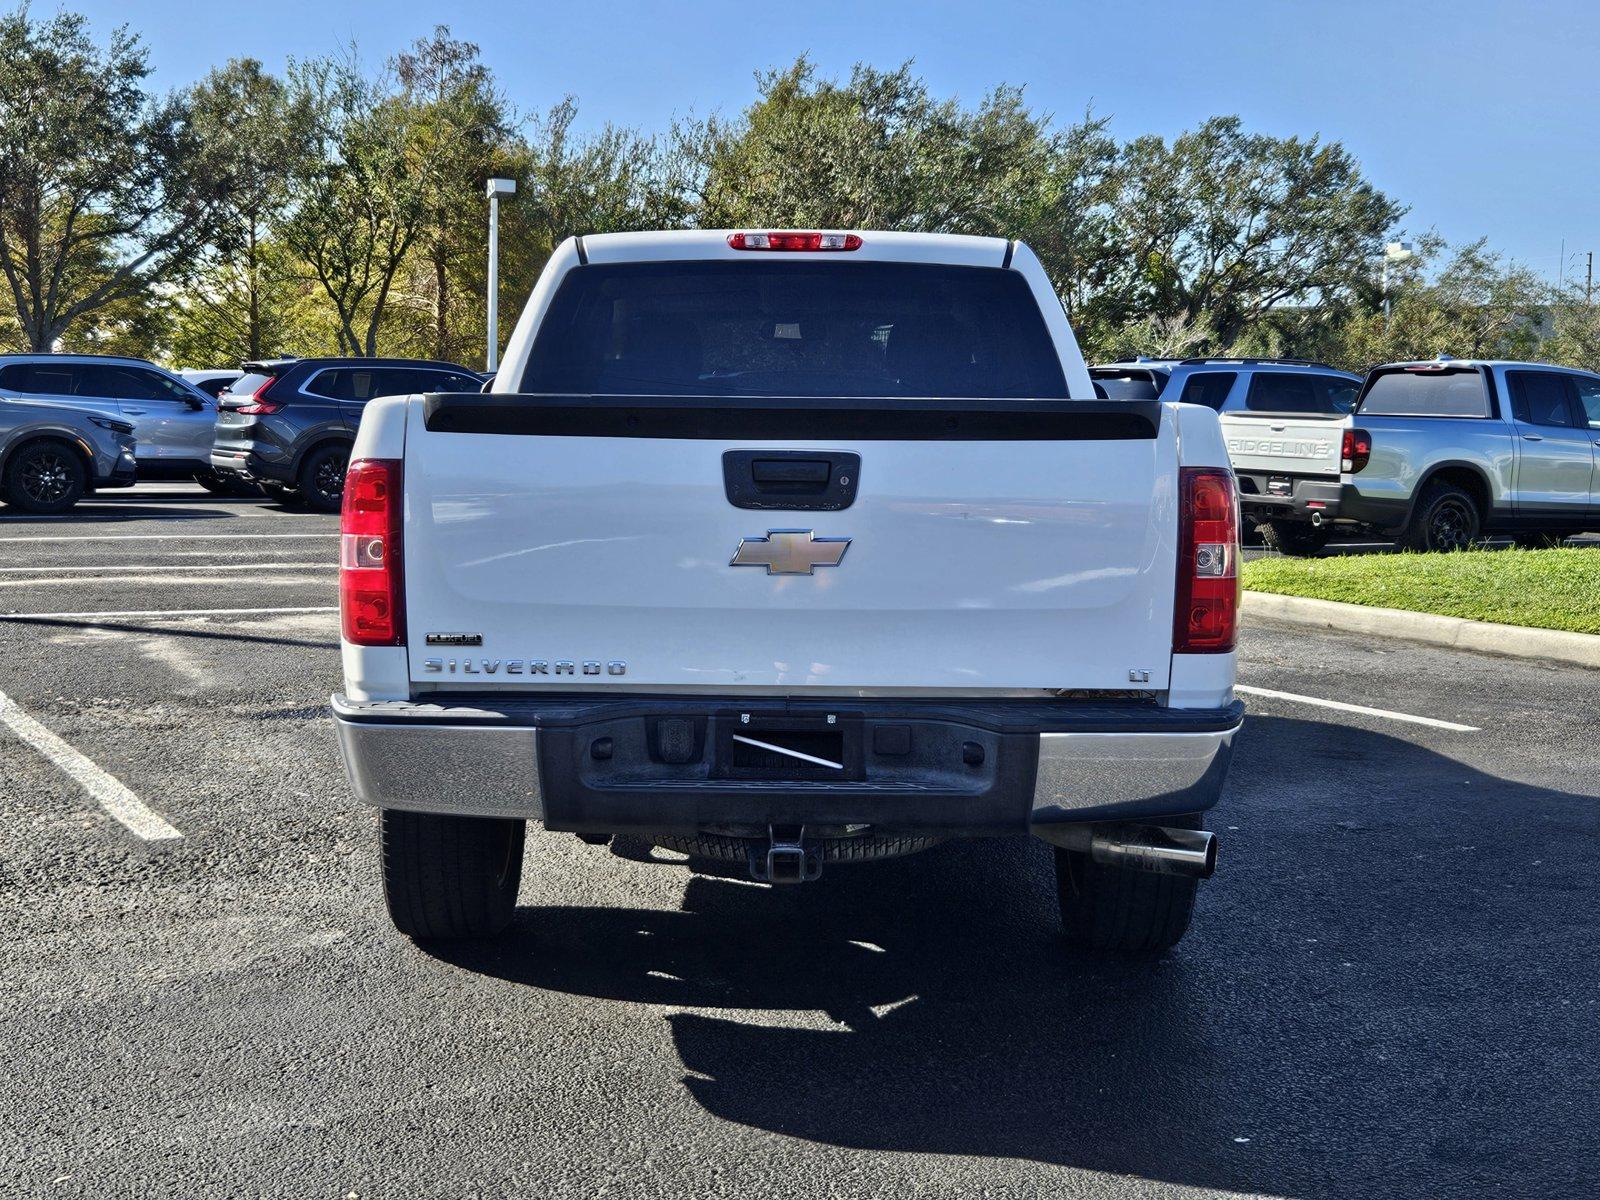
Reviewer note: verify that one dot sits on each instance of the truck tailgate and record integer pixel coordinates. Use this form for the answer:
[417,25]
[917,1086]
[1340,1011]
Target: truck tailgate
[589,543]
[1297,445]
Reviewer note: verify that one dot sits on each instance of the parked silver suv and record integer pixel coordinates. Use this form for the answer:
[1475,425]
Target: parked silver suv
[51,455]
[1437,454]
[172,419]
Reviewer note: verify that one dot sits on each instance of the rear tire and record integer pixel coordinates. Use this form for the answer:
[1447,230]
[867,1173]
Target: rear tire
[1445,519]
[219,484]
[1298,538]
[1117,909]
[1544,539]
[447,877]
[44,478]
[322,477]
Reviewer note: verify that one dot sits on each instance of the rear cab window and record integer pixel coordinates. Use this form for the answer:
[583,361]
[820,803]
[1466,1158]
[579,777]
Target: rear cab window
[1300,393]
[794,329]
[1426,392]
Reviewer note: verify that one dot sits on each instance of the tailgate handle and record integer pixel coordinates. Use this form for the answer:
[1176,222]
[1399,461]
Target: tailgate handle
[810,473]
[796,480]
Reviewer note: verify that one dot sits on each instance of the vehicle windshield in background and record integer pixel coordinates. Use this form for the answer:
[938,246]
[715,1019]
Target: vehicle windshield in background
[1310,395]
[794,329]
[1427,392]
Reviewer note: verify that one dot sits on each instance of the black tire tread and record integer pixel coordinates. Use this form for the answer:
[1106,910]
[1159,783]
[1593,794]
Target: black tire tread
[309,495]
[12,490]
[442,875]
[1415,535]
[1114,908]
[1297,538]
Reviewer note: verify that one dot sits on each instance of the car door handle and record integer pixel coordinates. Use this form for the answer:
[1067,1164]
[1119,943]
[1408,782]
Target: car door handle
[134,412]
[1532,437]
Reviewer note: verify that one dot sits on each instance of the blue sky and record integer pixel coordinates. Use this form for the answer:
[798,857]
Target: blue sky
[1484,117]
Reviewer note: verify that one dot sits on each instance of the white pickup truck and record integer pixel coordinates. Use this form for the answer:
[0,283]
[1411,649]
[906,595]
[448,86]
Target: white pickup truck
[791,549]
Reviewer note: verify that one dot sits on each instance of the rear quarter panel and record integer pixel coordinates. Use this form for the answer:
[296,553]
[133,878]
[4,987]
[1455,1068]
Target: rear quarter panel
[1406,449]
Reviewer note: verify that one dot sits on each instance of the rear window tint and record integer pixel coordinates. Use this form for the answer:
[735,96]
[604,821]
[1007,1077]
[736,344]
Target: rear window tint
[247,385]
[766,328]
[1209,388]
[1457,393]
[38,379]
[1299,392]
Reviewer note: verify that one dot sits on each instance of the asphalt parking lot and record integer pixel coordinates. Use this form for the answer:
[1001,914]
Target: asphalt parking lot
[1392,986]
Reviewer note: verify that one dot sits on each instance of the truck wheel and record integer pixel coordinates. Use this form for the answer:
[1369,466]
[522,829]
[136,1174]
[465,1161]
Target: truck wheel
[322,477]
[44,478]
[1114,908]
[1299,538]
[450,877]
[1446,518]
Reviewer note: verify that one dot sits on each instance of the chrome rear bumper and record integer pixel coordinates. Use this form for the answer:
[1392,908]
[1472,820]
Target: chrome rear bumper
[970,769]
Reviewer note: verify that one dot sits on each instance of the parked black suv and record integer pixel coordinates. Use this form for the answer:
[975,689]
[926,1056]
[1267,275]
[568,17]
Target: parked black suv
[288,424]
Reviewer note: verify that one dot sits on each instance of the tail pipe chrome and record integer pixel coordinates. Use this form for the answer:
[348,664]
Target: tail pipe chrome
[1158,848]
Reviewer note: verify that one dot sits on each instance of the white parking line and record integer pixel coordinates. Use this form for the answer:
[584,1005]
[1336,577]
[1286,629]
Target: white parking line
[111,792]
[159,612]
[1340,705]
[166,537]
[125,568]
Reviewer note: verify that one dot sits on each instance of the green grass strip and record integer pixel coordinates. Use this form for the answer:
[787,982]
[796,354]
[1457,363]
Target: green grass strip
[1545,589]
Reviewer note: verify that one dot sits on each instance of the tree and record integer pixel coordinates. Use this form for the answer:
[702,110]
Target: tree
[462,127]
[100,198]
[255,132]
[358,207]
[1230,225]
[1474,306]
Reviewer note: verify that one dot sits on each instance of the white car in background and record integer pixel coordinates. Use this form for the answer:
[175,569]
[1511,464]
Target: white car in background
[212,382]
[1284,421]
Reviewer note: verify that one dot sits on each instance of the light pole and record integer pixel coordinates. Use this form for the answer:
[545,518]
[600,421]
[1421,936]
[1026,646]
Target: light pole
[496,189]
[1393,252]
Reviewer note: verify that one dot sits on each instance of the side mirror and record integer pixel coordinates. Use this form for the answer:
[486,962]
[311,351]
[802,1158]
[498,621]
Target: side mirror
[194,402]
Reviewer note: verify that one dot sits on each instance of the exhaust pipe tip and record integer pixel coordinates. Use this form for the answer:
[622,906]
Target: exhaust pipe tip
[1157,848]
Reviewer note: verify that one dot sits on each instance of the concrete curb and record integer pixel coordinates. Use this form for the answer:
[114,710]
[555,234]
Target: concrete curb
[1484,637]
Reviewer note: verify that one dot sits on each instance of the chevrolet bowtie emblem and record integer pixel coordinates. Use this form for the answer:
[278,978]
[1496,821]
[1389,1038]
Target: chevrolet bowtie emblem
[789,552]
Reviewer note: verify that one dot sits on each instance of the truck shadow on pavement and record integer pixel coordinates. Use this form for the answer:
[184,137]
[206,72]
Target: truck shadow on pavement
[1389,989]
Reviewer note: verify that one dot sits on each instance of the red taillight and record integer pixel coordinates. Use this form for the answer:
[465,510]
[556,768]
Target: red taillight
[371,599]
[259,405]
[1356,451]
[1206,617]
[794,241]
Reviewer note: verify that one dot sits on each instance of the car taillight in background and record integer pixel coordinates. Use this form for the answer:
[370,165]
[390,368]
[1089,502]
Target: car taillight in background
[371,599]
[259,405]
[1357,450]
[794,241]
[1206,616]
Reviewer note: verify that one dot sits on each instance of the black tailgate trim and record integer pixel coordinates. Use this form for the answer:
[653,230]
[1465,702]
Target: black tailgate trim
[794,418]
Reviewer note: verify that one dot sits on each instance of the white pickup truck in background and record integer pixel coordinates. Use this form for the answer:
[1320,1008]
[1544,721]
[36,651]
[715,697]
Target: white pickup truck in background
[791,549]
